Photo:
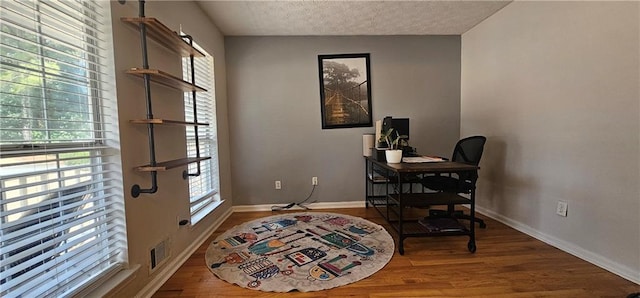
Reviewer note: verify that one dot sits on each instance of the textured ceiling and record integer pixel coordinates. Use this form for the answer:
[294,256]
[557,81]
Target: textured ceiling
[251,18]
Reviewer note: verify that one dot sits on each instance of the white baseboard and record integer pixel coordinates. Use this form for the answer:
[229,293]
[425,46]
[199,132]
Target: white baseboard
[321,205]
[596,259]
[170,268]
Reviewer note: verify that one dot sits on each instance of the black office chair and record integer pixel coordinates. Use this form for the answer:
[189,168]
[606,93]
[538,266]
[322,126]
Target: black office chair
[467,150]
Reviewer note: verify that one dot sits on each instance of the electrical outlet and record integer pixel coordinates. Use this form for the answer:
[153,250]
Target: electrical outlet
[562,208]
[278,184]
[314,180]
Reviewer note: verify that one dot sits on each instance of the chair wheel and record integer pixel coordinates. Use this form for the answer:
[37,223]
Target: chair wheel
[471,246]
[483,225]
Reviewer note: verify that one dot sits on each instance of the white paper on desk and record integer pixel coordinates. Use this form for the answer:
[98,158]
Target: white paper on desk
[417,159]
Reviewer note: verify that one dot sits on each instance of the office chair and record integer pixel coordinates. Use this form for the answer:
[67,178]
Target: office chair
[467,150]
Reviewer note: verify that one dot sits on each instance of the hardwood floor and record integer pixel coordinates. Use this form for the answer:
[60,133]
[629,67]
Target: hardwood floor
[507,264]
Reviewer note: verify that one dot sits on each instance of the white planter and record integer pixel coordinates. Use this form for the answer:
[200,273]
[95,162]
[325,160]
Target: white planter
[393,156]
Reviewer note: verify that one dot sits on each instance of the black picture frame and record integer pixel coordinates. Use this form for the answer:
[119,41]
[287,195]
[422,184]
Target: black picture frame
[345,90]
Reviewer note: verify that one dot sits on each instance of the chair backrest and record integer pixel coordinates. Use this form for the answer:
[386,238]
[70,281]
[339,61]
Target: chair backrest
[469,150]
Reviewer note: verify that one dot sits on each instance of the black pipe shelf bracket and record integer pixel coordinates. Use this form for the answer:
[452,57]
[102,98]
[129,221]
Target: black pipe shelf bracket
[183,44]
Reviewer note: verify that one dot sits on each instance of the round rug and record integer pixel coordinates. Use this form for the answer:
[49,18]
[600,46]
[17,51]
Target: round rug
[309,251]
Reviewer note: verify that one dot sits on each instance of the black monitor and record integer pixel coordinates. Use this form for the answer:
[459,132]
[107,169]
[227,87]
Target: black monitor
[401,125]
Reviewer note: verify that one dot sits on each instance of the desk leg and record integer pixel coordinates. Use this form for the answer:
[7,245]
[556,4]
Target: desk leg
[366,183]
[401,216]
[386,193]
[472,227]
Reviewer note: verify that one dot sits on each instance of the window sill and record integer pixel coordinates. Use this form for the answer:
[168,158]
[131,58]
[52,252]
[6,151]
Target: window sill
[112,284]
[205,211]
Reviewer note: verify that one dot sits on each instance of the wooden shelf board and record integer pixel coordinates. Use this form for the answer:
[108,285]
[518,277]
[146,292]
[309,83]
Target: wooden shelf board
[167,165]
[428,199]
[164,36]
[166,122]
[411,228]
[161,77]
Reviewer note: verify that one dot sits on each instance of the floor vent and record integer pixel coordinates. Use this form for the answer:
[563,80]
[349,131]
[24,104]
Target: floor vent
[159,255]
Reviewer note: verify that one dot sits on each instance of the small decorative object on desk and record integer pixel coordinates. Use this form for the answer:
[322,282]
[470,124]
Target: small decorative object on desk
[393,156]
[394,144]
[368,141]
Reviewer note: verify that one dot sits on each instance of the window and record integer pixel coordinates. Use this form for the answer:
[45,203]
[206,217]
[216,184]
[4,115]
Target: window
[203,192]
[61,202]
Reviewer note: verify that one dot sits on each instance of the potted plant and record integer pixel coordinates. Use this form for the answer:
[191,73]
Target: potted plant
[393,153]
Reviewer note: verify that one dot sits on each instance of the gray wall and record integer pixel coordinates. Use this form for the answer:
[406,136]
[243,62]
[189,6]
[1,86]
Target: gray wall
[274,111]
[152,218]
[554,86]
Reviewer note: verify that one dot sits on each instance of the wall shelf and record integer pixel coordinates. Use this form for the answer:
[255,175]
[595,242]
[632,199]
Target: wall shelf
[170,164]
[151,28]
[166,79]
[166,122]
[164,36]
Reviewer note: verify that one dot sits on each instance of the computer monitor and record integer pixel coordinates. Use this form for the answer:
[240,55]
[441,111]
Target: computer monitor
[401,125]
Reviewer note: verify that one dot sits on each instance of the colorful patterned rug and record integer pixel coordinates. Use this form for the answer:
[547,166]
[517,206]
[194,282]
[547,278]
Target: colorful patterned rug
[306,252]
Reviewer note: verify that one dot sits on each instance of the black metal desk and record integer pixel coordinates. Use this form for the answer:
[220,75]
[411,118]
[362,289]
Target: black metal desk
[392,202]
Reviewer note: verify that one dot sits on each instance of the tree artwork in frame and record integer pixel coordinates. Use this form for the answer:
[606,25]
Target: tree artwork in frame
[345,90]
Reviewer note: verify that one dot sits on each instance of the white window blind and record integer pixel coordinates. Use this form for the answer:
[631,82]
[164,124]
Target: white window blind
[61,202]
[203,189]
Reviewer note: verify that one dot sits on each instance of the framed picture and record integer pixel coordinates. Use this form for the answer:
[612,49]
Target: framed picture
[345,90]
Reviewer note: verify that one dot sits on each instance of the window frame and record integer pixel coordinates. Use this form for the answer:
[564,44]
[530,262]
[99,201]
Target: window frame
[102,154]
[203,203]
